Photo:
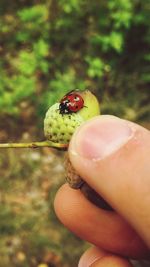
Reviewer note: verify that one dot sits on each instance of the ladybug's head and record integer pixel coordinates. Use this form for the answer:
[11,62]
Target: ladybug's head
[63,106]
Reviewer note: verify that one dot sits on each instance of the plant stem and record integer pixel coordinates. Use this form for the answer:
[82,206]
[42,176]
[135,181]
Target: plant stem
[34,145]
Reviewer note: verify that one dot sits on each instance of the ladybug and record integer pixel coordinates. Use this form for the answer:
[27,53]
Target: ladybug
[71,103]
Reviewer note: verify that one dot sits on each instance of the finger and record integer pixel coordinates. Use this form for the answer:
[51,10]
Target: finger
[102,228]
[113,157]
[95,257]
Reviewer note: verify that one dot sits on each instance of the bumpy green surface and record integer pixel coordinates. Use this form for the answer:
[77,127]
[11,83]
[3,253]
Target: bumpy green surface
[59,128]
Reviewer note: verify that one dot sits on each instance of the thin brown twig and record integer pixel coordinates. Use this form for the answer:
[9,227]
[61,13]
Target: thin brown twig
[34,145]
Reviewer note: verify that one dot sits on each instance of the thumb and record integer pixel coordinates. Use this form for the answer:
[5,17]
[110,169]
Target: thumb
[112,156]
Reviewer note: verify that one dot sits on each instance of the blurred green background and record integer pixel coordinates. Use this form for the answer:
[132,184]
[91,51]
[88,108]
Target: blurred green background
[48,48]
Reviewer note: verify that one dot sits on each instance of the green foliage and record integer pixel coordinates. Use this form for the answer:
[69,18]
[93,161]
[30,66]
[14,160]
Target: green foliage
[37,13]
[6,214]
[96,67]
[56,46]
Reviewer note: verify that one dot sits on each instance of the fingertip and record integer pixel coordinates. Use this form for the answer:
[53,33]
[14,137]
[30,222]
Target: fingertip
[67,205]
[101,136]
[96,257]
[60,200]
[90,256]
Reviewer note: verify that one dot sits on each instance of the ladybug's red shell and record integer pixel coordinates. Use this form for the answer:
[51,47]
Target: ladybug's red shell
[70,103]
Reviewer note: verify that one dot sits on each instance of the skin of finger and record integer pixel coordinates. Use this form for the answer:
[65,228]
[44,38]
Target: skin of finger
[90,256]
[126,183]
[102,228]
[99,258]
[110,261]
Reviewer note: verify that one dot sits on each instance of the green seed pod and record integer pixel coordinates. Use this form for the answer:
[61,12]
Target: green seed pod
[60,127]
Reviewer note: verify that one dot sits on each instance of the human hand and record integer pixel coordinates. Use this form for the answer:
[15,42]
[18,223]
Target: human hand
[112,155]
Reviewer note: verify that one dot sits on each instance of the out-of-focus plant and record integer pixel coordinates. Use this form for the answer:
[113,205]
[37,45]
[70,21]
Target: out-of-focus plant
[51,47]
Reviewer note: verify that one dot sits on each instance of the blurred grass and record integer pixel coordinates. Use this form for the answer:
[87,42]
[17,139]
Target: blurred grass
[48,48]
[30,233]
